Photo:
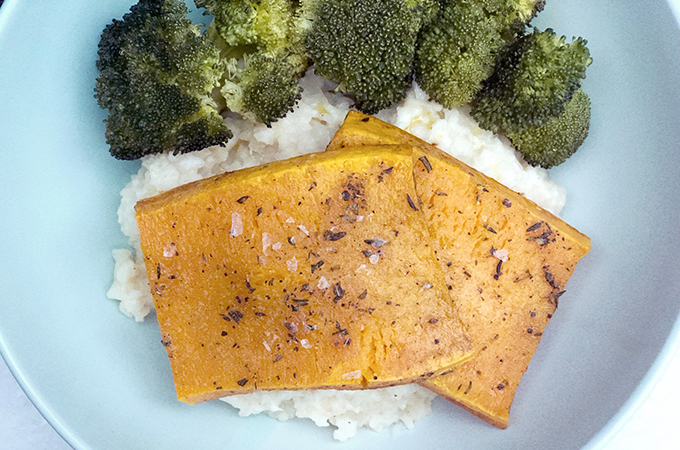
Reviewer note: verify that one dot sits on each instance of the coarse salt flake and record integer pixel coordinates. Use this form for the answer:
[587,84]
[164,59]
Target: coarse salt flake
[374,258]
[354,375]
[323,283]
[305,343]
[236,225]
[364,269]
[292,264]
[303,229]
[377,242]
[169,250]
[266,241]
[501,254]
[266,346]
[276,246]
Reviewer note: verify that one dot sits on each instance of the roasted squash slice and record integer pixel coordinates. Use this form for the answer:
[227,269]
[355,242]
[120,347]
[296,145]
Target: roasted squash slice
[506,263]
[315,272]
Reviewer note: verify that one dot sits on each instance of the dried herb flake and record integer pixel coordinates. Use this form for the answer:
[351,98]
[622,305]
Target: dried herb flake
[410,203]
[338,291]
[387,171]
[236,316]
[534,227]
[498,273]
[426,163]
[317,265]
[489,228]
[328,235]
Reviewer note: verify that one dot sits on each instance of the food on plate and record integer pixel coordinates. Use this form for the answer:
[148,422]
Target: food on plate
[506,262]
[533,84]
[556,139]
[309,128]
[156,75]
[366,47]
[313,272]
[261,45]
[251,58]
[266,26]
[458,50]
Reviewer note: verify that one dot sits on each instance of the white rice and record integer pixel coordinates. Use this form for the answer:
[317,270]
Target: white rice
[309,129]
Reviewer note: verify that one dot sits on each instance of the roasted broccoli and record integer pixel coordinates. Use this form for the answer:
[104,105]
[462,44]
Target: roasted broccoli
[366,46]
[261,88]
[156,77]
[534,80]
[262,24]
[559,137]
[529,95]
[460,47]
[525,10]
[263,52]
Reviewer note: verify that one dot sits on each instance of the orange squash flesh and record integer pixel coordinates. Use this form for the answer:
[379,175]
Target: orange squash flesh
[506,263]
[315,272]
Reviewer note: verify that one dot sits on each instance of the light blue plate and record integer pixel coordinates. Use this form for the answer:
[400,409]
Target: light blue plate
[103,381]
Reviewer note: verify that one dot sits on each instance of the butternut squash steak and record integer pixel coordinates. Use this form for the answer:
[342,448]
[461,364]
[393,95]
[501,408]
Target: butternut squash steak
[315,272]
[506,263]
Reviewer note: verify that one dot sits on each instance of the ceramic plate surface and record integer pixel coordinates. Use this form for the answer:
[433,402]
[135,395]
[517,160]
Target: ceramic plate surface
[103,381]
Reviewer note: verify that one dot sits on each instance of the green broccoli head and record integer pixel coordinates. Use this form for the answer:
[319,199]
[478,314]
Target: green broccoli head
[264,54]
[525,10]
[459,49]
[533,81]
[426,10]
[559,137]
[156,77]
[366,46]
[264,24]
[261,88]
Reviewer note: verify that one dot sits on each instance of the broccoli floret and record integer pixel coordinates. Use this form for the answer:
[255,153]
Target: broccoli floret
[156,77]
[264,55]
[559,137]
[533,81]
[460,47]
[264,24]
[457,51]
[366,46]
[525,10]
[261,88]
[426,10]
